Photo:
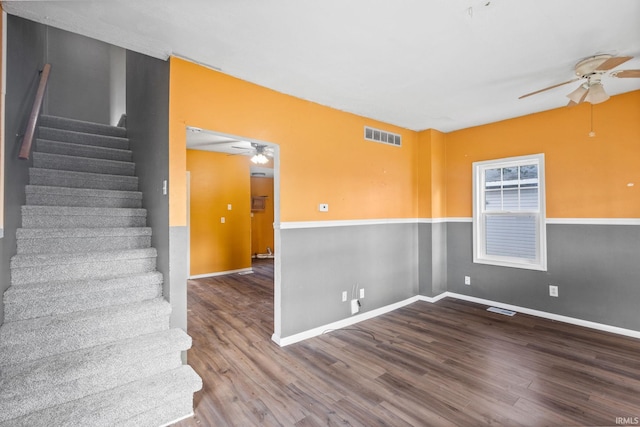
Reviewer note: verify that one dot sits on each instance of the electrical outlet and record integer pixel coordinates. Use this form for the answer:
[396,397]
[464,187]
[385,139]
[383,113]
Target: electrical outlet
[355,306]
[553,290]
[362,293]
[323,207]
[467,280]
[344,296]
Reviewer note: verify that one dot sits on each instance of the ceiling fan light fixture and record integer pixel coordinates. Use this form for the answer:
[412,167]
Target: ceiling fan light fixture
[260,159]
[578,95]
[596,94]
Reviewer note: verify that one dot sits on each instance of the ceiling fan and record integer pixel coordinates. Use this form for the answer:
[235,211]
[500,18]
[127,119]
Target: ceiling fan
[591,70]
[261,152]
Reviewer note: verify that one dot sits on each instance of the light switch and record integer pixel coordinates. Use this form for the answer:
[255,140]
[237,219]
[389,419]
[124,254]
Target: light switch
[222,220]
[229,207]
[323,207]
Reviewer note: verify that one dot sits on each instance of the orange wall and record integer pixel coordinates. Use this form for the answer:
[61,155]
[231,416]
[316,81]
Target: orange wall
[323,155]
[262,222]
[216,181]
[585,177]
[324,158]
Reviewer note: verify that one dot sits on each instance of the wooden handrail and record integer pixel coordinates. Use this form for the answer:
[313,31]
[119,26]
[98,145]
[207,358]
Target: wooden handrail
[27,140]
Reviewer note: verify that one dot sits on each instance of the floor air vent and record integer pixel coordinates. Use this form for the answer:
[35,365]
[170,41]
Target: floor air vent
[377,135]
[501,311]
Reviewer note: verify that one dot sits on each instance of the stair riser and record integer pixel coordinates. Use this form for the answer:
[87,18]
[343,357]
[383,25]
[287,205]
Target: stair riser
[105,376]
[57,178]
[31,308]
[88,270]
[69,163]
[83,138]
[80,150]
[35,345]
[82,201]
[82,244]
[80,126]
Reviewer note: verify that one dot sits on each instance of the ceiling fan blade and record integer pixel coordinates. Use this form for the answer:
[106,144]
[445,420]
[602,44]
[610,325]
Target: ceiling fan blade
[626,74]
[550,87]
[613,62]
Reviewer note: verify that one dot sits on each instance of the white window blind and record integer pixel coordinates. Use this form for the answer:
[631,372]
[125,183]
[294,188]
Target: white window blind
[508,218]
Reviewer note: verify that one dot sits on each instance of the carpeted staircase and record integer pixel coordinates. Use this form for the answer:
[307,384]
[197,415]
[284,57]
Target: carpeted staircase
[86,338]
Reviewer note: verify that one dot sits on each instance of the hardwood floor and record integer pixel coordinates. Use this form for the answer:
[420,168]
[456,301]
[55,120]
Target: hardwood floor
[446,364]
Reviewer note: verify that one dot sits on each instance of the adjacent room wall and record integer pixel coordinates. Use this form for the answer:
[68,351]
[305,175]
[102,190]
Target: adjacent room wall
[262,221]
[592,189]
[217,181]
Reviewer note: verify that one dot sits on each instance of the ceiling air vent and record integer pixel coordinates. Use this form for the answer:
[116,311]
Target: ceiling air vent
[377,135]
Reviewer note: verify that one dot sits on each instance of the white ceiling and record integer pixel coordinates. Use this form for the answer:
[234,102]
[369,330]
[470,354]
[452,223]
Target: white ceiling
[418,64]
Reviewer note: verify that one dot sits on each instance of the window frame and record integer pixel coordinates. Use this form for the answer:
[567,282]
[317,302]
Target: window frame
[480,214]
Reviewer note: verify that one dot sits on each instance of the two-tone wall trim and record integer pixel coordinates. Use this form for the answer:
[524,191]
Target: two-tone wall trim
[290,225]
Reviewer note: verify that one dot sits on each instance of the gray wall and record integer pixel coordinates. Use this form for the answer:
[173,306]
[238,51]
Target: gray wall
[148,132]
[80,84]
[425,268]
[596,267]
[25,57]
[318,264]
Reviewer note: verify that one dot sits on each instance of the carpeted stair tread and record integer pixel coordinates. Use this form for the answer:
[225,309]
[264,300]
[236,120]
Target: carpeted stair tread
[33,339]
[82,150]
[33,300]
[49,233]
[42,195]
[84,138]
[72,287]
[33,268]
[79,217]
[68,376]
[121,406]
[81,126]
[155,307]
[38,305]
[35,260]
[44,240]
[62,178]
[72,163]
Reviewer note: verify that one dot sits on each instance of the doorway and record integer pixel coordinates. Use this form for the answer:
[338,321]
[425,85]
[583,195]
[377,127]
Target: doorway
[221,163]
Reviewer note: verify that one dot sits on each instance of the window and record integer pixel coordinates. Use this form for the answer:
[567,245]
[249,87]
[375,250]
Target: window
[509,212]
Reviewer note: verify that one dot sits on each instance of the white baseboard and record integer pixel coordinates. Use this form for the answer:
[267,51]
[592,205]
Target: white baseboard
[391,307]
[543,314]
[220,273]
[341,323]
